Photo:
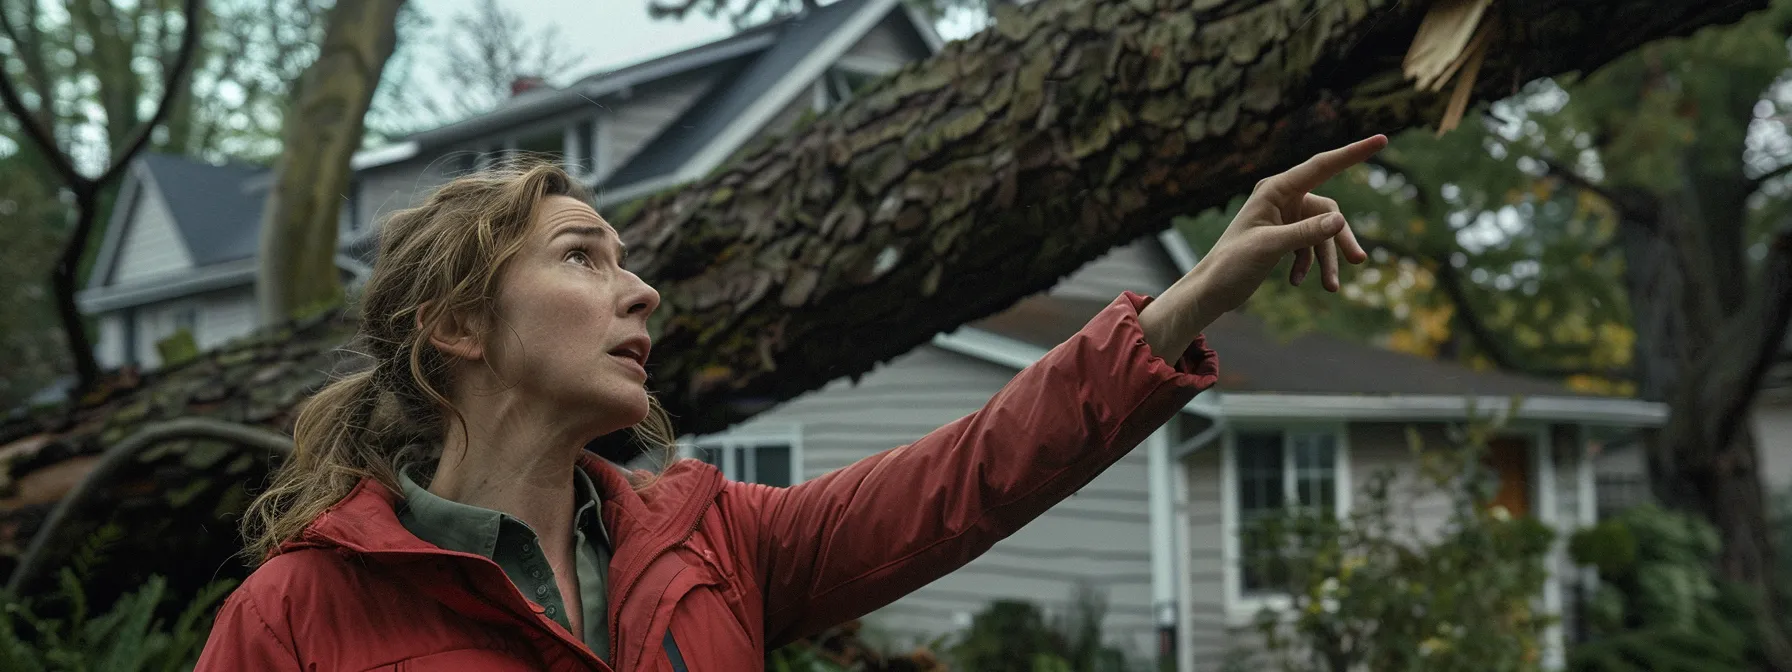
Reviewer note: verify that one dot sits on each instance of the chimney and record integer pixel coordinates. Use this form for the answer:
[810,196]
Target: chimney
[525,84]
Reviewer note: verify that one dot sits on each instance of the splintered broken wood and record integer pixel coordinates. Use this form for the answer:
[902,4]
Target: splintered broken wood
[1452,42]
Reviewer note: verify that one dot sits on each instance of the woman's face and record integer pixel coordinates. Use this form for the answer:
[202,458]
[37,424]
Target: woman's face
[572,330]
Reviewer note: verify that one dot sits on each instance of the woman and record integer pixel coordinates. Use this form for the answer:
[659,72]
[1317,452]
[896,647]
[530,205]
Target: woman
[441,512]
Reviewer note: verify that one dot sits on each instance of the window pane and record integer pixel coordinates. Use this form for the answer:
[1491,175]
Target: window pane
[548,146]
[771,465]
[1259,458]
[1315,470]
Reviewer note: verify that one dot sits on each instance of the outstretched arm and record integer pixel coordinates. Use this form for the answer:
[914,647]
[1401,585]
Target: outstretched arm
[856,539]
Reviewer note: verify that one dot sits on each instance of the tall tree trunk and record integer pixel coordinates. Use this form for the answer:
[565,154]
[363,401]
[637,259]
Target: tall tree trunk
[323,130]
[1704,342]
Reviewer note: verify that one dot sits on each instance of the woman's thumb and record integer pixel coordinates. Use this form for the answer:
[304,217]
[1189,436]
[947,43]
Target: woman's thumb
[1307,232]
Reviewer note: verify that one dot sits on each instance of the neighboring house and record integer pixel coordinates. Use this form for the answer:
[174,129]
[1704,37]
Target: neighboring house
[182,247]
[1304,421]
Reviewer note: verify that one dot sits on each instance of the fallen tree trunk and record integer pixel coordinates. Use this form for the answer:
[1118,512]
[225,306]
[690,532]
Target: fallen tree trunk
[940,196]
[964,183]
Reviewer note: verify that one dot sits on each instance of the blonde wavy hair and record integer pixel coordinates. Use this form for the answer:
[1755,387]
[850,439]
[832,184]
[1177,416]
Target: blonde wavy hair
[440,258]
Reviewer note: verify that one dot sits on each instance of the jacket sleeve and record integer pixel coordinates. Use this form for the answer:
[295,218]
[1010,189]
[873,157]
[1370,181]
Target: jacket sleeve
[842,545]
[241,639]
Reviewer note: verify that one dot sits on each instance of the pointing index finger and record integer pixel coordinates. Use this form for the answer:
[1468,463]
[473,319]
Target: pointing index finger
[1313,172]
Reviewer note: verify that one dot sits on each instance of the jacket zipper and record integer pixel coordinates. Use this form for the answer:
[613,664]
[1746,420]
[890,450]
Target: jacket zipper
[615,623]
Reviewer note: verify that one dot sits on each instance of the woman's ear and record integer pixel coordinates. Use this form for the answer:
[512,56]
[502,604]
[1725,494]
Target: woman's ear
[454,334]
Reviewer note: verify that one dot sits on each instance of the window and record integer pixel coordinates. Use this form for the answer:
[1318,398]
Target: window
[773,458]
[843,83]
[1273,471]
[549,144]
[186,318]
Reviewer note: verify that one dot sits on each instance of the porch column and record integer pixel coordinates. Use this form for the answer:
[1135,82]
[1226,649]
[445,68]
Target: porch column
[1163,541]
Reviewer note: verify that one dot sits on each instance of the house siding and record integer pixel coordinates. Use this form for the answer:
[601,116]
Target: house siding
[1772,420]
[1140,266]
[891,42]
[1204,633]
[638,119]
[153,245]
[109,350]
[385,189]
[226,315]
[1100,535]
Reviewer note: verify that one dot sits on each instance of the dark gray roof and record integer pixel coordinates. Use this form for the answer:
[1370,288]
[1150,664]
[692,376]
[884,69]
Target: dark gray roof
[1254,360]
[797,36]
[216,217]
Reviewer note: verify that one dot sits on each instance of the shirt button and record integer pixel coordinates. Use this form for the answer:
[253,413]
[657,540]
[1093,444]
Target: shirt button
[535,573]
[527,551]
[551,611]
[541,591]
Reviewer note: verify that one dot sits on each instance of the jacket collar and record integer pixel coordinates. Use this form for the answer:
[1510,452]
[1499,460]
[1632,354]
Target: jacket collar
[640,523]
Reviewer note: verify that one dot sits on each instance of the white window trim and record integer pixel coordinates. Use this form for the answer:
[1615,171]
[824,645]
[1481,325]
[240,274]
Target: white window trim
[731,441]
[1241,609]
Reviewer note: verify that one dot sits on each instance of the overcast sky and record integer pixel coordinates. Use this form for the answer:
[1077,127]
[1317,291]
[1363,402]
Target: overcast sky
[614,33]
[609,32]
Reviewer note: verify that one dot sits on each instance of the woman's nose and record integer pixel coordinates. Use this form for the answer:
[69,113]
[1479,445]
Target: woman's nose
[644,300]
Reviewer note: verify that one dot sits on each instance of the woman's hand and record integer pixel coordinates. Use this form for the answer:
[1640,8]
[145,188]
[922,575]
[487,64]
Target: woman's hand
[1280,217]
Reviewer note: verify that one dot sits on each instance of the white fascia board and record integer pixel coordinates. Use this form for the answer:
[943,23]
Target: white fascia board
[383,155]
[1417,407]
[174,285]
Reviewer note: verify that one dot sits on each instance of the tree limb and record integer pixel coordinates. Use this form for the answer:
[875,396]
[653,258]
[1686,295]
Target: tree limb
[122,455]
[1755,184]
[1489,342]
[35,131]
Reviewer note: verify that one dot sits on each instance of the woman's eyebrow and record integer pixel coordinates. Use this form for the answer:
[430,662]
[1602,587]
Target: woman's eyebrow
[592,231]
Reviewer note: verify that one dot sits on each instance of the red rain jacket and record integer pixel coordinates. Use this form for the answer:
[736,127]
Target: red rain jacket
[707,573]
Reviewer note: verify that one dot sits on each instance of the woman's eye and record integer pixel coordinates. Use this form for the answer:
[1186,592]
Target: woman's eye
[579,257]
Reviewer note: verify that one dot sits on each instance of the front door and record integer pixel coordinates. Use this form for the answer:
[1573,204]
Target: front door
[1509,460]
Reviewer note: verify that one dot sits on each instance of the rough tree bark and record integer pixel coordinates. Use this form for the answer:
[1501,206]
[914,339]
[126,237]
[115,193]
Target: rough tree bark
[86,190]
[966,183]
[322,131]
[938,197]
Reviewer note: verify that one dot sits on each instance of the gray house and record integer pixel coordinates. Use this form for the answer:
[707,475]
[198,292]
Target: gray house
[180,251]
[1157,534]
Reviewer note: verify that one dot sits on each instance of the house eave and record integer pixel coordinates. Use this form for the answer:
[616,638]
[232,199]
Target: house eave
[173,285]
[187,283]
[1272,406]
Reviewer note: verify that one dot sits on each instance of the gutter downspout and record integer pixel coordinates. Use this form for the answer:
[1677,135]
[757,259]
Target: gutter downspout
[1169,520]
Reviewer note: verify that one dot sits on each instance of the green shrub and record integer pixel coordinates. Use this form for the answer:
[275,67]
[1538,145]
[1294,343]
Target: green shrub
[127,637]
[1374,591]
[1659,605]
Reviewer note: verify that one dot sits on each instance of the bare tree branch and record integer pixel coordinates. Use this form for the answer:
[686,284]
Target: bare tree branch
[35,131]
[1489,342]
[1755,184]
[29,54]
[86,191]
[176,82]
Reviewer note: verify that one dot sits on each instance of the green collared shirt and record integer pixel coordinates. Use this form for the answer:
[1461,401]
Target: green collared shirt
[510,543]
